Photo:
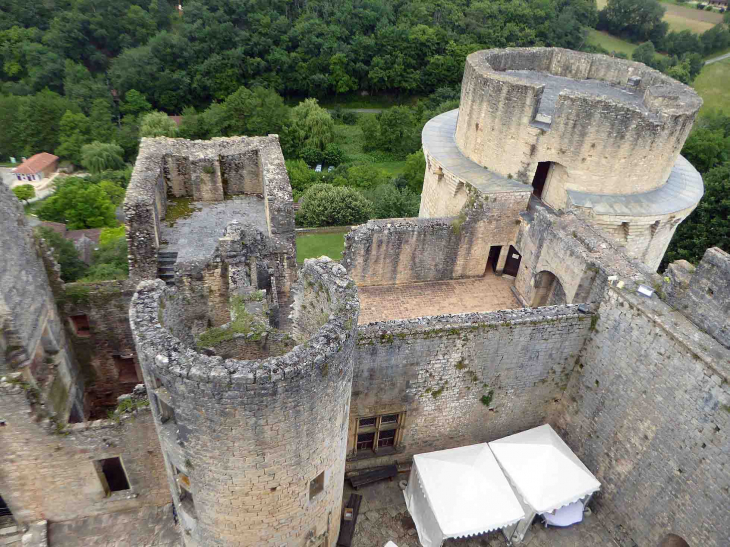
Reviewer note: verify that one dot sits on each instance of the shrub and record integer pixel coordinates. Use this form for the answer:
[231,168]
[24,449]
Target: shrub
[327,205]
[24,192]
[311,155]
[65,253]
[110,259]
[349,118]
[333,155]
[391,202]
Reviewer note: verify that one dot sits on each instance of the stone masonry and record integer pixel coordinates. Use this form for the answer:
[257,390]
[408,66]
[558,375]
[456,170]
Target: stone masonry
[602,135]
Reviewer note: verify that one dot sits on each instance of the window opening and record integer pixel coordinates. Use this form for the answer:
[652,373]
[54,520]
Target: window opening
[541,174]
[166,411]
[316,485]
[112,471]
[126,368]
[184,491]
[80,324]
[375,433]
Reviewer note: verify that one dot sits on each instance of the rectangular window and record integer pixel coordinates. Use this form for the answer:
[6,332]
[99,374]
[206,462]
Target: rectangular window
[125,368]
[80,324]
[316,485]
[166,411]
[112,475]
[378,434]
[185,492]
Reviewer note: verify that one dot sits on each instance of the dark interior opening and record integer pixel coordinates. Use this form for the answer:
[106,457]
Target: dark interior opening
[126,369]
[493,258]
[114,474]
[538,183]
[80,325]
[76,416]
[4,509]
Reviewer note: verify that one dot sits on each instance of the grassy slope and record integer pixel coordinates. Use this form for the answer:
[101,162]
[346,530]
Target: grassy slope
[611,43]
[713,84]
[351,139]
[314,245]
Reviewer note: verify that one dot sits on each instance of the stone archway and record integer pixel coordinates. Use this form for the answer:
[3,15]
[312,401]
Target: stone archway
[548,290]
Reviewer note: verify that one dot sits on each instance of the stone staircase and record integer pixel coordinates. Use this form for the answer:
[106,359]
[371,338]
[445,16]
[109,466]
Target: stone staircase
[10,534]
[166,266]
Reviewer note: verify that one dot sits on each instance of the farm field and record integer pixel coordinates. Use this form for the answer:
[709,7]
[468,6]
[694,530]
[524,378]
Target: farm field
[713,84]
[684,17]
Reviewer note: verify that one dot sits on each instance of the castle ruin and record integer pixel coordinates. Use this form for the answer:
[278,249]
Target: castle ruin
[549,198]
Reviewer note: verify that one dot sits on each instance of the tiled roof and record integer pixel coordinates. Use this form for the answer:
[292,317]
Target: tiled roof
[35,164]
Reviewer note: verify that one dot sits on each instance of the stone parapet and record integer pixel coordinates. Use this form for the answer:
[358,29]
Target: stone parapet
[255,448]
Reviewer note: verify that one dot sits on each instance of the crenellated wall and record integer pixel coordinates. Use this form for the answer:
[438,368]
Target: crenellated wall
[255,450]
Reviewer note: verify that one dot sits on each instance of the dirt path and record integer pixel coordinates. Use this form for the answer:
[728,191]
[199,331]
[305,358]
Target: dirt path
[720,58]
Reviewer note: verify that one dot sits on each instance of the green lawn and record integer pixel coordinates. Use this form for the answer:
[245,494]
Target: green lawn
[713,84]
[393,168]
[351,140]
[611,43]
[314,245]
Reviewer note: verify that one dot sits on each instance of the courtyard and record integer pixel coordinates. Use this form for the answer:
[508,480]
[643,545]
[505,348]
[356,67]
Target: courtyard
[383,517]
[476,294]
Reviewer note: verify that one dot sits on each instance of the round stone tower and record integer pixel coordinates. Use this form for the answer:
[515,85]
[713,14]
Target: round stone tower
[252,421]
[590,133]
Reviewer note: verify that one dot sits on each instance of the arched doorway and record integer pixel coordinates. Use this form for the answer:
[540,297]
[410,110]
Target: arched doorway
[548,290]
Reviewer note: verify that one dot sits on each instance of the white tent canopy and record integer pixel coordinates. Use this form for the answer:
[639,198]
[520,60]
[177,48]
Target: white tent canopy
[459,492]
[543,469]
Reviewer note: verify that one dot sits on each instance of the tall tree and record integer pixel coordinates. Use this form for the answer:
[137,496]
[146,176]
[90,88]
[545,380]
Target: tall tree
[101,156]
[157,124]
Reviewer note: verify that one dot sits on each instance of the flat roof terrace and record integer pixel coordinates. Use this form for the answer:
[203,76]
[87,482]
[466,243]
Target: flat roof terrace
[193,228]
[554,85]
[408,301]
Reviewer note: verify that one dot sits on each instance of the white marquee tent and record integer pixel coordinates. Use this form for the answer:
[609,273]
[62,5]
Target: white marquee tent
[544,471]
[459,492]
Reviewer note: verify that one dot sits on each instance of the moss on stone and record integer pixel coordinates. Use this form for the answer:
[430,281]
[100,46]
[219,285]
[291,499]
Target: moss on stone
[179,208]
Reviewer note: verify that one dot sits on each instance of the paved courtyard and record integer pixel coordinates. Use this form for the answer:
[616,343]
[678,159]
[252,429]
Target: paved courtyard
[146,527]
[487,293]
[192,228]
[383,517]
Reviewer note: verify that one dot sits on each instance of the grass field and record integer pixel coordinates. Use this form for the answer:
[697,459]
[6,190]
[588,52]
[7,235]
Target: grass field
[351,140]
[611,43]
[684,17]
[314,245]
[713,84]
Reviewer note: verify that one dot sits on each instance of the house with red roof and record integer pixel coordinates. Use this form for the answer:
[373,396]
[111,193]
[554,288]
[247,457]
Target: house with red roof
[37,167]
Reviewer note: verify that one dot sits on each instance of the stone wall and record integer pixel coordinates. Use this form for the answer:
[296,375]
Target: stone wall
[579,256]
[702,293]
[48,473]
[205,171]
[648,411]
[393,251]
[608,145]
[463,379]
[32,338]
[255,450]
[105,352]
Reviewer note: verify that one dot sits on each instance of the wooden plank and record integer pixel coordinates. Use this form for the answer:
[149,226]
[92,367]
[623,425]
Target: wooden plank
[347,527]
[377,474]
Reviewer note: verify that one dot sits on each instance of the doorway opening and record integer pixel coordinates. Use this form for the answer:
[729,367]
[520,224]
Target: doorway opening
[548,290]
[541,176]
[6,516]
[512,264]
[493,258]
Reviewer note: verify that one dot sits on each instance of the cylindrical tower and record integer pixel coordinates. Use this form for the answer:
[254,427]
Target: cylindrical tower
[255,448]
[590,133]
